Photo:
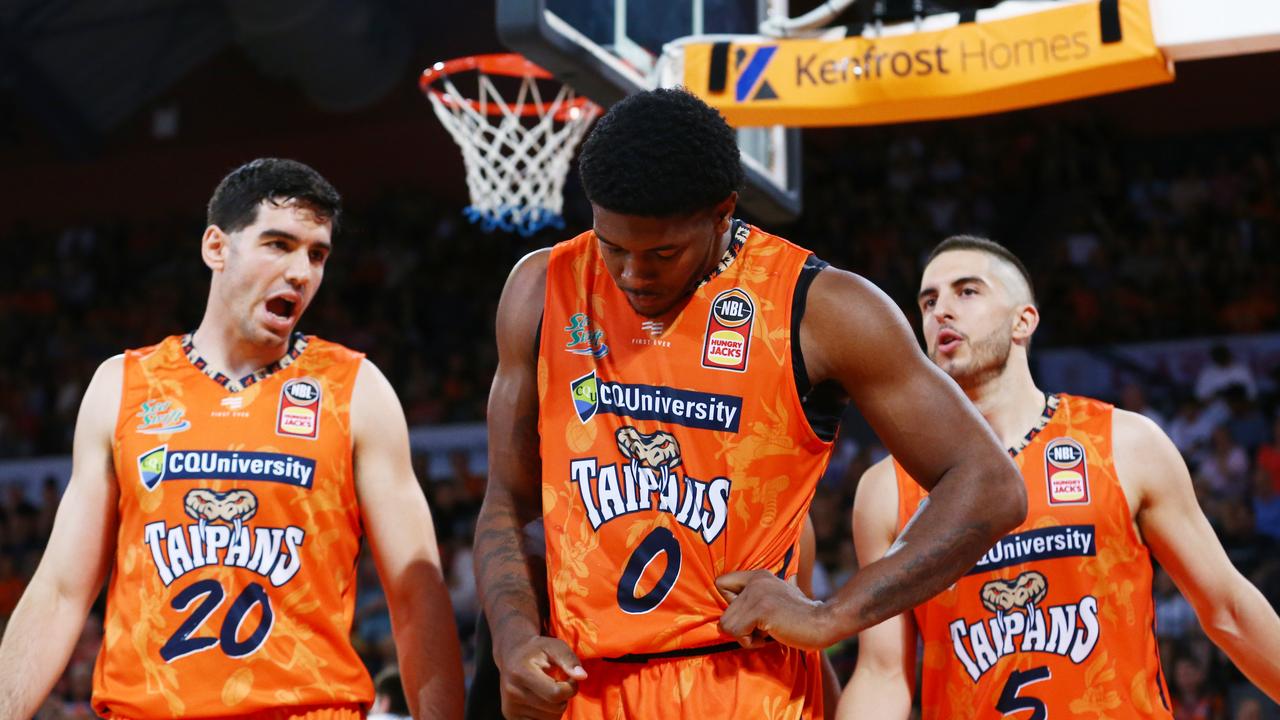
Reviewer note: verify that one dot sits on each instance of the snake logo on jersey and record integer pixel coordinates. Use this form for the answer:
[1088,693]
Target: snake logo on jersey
[220,537]
[648,478]
[1020,623]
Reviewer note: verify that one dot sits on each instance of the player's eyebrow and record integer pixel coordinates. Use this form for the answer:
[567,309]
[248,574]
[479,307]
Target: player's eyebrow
[660,248]
[284,235]
[929,290]
[968,279]
[281,234]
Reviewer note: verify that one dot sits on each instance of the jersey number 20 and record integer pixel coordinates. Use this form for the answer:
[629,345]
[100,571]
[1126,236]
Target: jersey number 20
[181,644]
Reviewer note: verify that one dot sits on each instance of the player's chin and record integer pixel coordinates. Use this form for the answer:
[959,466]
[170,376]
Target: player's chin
[649,305]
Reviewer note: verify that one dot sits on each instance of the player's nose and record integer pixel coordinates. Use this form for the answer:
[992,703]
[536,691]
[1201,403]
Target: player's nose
[297,269]
[636,267]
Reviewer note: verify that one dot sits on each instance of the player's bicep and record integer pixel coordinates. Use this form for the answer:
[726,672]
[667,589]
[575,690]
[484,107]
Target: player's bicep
[854,334]
[83,538]
[513,398]
[1169,517]
[392,505]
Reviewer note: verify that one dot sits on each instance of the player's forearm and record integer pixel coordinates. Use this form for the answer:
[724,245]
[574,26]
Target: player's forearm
[37,645]
[503,578]
[965,516]
[1248,630]
[878,695]
[427,643]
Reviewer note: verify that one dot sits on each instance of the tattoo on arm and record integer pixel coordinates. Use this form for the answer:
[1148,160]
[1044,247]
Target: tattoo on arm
[506,582]
[919,575]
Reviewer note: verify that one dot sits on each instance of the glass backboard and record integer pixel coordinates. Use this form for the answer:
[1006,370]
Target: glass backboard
[608,49]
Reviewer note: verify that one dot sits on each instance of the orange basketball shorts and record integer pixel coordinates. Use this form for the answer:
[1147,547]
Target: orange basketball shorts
[774,682]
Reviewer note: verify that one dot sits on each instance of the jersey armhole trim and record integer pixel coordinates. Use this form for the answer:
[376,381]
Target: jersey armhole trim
[824,404]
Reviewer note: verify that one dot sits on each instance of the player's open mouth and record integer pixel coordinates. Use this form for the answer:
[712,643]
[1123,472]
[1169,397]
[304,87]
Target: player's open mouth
[281,307]
[948,341]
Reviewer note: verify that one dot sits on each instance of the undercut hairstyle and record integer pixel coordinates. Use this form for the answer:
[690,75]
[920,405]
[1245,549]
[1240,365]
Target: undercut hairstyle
[990,247]
[234,205]
[660,153]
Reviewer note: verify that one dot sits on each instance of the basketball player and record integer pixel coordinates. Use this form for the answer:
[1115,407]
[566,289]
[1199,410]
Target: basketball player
[225,478]
[1056,620]
[664,398]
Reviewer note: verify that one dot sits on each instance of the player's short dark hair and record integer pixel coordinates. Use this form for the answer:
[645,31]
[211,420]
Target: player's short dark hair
[990,247]
[234,205]
[388,684]
[661,153]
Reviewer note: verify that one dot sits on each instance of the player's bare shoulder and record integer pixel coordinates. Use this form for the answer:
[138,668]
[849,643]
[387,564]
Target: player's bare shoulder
[101,403]
[523,299]
[847,324]
[528,279]
[1146,460]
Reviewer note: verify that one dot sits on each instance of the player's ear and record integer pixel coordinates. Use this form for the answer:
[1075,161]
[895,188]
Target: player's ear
[213,247]
[724,212]
[1025,321]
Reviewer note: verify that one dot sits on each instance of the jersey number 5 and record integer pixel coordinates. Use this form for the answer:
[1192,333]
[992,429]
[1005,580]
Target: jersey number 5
[1011,703]
[181,644]
[659,540]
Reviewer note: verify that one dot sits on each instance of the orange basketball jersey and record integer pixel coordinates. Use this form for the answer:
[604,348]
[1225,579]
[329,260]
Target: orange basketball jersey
[670,455]
[234,580]
[1057,619]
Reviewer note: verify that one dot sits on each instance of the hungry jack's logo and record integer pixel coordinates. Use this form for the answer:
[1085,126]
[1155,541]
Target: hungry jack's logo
[1066,472]
[299,413]
[728,339]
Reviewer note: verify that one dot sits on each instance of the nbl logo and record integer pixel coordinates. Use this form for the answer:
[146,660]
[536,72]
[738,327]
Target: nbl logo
[1066,472]
[728,339]
[299,413]
[303,391]
[1065,456]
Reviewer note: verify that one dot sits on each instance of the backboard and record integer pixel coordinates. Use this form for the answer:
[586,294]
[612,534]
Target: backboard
[608,49]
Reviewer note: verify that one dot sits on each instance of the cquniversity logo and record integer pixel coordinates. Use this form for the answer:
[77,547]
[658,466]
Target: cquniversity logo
[151,465]
[751,66]
[586,396]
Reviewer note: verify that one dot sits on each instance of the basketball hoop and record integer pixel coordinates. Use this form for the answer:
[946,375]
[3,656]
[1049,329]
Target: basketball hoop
[516,152]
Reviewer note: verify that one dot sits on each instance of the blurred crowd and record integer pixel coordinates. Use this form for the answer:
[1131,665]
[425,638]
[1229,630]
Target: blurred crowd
[1126,241]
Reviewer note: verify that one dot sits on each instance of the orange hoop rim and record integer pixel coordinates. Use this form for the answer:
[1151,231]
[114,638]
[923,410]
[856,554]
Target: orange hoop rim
[503,64]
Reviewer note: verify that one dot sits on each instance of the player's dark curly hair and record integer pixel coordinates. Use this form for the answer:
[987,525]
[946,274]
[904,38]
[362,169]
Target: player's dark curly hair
[234,205]
[661,153]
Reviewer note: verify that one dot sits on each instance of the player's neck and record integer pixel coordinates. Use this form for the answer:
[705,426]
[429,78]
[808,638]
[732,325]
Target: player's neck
[228,352]
[1010,402]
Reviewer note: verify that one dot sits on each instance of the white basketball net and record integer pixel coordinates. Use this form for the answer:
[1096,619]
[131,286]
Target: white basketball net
[516,164]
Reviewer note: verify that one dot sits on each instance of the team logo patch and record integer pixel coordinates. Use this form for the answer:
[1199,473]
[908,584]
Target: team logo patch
[161,418]
[728,339]
[1066,472]
[1022,622]
[586,396]
[151,465]
[209,506]
[299,414]
[584,338]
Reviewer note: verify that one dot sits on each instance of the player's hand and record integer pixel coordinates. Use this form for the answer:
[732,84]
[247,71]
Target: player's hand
[762,604]
[538,678]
